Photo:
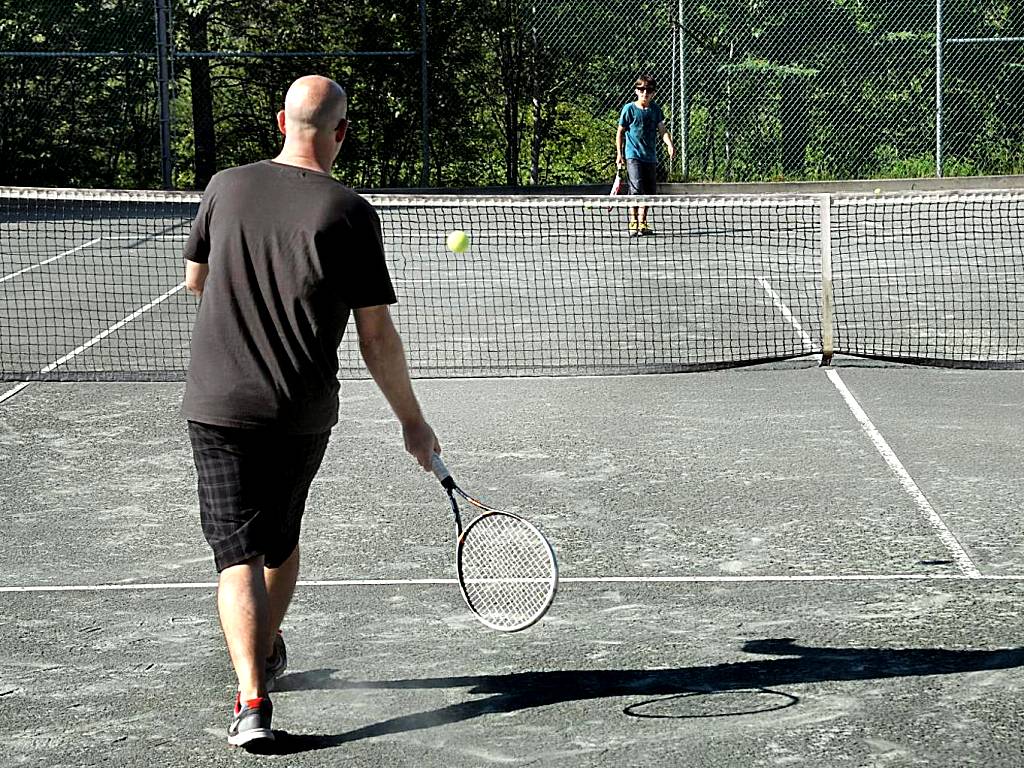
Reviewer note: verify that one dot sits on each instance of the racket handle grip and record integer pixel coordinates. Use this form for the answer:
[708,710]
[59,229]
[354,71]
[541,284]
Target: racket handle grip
[441,471]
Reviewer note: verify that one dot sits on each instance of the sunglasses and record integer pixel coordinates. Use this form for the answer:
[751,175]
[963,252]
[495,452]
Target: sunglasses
[643,89]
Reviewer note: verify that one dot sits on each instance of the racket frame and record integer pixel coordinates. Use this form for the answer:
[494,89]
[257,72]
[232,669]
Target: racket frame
[452,489]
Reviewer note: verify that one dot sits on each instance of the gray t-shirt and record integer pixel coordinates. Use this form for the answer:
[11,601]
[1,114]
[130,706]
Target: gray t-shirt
[291,252]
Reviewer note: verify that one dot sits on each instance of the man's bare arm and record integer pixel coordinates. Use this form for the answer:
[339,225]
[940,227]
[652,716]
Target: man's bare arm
[382,351]
[195,277]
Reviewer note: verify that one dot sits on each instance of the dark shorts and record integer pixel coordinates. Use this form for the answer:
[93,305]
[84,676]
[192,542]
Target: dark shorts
[643,177]
[252,490]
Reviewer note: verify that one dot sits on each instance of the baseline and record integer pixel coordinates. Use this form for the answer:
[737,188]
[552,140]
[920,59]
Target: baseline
[877,577]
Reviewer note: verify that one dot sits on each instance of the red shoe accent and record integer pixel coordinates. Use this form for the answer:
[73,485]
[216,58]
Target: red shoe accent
[250,703]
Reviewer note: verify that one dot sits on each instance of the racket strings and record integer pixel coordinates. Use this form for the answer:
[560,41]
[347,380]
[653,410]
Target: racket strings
[508,571]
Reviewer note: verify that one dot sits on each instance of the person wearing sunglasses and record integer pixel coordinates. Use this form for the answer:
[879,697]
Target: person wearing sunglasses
[641,123]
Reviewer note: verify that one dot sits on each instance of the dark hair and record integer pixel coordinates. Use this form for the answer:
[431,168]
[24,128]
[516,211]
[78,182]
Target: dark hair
[646,80]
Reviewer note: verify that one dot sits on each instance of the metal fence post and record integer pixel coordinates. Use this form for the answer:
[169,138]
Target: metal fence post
[424,96]
[163,78]
[675,32]
[684,104]
[938,88]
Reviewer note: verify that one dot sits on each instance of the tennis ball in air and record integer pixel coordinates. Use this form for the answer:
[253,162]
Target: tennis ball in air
[878,190]
[457,241]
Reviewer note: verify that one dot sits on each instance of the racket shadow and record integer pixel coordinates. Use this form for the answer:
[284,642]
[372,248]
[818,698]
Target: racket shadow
[530,690]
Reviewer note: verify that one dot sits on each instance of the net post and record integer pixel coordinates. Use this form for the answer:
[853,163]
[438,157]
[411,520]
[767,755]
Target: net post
[825,227]
[163,53]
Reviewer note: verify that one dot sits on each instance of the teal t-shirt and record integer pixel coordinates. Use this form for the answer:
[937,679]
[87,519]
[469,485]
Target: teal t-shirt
[641,131]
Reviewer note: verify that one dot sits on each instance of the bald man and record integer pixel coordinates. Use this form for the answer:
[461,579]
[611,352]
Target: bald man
[281,254]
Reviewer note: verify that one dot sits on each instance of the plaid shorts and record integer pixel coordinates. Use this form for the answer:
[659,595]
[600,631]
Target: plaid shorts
[252,490]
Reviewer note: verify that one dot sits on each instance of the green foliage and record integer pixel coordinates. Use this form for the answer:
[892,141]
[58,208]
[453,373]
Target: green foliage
[519,93]
[77,121]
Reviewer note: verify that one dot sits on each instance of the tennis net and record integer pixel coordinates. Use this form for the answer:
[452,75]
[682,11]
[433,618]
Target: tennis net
[90,283]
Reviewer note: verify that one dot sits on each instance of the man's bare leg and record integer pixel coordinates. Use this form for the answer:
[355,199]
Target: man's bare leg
[280,585]
[245,617]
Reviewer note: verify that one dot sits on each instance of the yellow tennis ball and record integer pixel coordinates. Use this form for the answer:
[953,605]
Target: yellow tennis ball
[457,241]
[878,190]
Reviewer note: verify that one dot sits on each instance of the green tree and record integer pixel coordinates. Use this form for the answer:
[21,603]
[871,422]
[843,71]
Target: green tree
[88,120]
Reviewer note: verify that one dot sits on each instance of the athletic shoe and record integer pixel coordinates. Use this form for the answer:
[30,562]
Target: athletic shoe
[278,661]
[634,229]
[643,229]
[251,722]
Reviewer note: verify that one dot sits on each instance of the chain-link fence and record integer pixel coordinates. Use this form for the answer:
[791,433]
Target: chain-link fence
[150,93]
[981,103]
[77,102]
[226,97]
[456,93]
[809,89]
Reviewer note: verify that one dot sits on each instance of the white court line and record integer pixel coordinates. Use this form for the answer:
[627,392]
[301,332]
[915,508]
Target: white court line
[781,306]
[146,238]
[963,560]
[96,339]
[51,259]
[116,326]
[14,390]
[736,278]
[825,579]
[960,556]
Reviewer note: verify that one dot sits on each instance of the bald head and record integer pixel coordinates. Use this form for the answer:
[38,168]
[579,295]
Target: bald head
[315,104]
[313,123]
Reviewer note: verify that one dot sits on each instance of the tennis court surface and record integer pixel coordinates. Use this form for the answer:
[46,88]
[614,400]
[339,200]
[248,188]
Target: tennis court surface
[778,564]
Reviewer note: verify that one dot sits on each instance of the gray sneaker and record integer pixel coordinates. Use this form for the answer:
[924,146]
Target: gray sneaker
[278,661]
[251,722]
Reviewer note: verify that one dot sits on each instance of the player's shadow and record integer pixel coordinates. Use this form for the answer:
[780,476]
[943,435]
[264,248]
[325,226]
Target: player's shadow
[529,690]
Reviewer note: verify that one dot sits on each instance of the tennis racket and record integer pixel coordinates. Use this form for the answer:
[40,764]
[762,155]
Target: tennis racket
[616,186]
[507,570]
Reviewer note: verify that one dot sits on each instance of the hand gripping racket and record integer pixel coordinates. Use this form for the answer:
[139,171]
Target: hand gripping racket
[507,570]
